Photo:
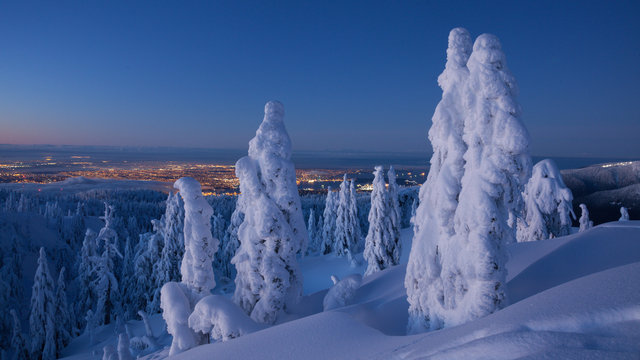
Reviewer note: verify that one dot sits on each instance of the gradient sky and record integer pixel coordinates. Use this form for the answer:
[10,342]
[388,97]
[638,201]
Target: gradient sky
[352,75]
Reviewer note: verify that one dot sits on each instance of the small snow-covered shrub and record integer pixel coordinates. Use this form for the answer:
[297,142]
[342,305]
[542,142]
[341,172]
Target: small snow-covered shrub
[342,292]
[219,317]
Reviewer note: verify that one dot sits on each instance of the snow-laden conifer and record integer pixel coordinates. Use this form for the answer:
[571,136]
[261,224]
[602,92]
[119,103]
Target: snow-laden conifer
[177,300]
[497,166]
[107,290]
[18,342]
[62,315]
[199,245]
[273,230]
[548,204]
[329,221]
[347,230]
[438,198]
[86,274]
[312,230]
[382,247]
[41,318]
[585,223]
[624,214]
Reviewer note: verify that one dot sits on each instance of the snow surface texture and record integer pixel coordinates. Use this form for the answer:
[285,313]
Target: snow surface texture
[548,204]
[589,313]
[273,230]
[457,273]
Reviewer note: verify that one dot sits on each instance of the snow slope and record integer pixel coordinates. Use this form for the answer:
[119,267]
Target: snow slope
[575,297]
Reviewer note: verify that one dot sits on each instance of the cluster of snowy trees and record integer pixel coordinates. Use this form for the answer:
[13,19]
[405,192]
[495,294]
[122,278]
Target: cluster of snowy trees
[472,195]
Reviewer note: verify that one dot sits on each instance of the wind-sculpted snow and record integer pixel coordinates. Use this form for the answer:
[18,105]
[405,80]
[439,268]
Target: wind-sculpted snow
[176,309]
[273,230]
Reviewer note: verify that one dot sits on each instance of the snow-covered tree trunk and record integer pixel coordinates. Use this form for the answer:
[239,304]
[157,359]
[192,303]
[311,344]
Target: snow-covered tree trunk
[273,230]
[438,198]
[548,204]
[585,223]
[41,320]
[382,247]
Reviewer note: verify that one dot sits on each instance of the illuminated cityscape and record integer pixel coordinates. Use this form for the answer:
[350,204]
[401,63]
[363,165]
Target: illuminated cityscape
[215,178]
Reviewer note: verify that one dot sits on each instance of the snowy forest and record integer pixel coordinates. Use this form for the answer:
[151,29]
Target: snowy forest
[120,274]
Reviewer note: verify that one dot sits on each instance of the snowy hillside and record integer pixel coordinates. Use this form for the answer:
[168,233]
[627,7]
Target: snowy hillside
[573,297]
[606,187]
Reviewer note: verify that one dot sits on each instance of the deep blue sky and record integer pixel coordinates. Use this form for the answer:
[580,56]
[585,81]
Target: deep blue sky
[352,75]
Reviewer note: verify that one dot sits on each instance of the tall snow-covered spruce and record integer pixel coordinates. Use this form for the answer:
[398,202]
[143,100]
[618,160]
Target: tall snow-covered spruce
[347,229]
[178,300]
[438,198]
[329,221]
[382,247]
[42,317]
[548,206]
[273,230]
[457,273]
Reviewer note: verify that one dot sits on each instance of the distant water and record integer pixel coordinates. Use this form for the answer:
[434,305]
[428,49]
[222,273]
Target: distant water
[302,159]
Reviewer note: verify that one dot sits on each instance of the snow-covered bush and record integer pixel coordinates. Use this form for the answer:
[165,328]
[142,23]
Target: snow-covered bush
[548,206]
[176,308]
[585,223]
[273,230]
[221,319]
[382,245]
[624,214]
[342,292]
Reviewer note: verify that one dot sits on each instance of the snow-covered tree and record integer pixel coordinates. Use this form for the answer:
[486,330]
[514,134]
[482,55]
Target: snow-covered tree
[199,245]
[167,268]
[329,221]
[86,273]
[624,214]
[178,299]
[107,290]
[438,198]
[231,242]
[458,273]
[273,230]
[585,223]
[347,232]
[41,320]
[382,247]
[394,205]
[312,230]
[124,353]
[18,342]
[62,315]
[548,204]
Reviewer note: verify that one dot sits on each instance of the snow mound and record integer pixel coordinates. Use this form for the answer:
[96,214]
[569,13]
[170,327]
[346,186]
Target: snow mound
[342,293]
[221,318]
